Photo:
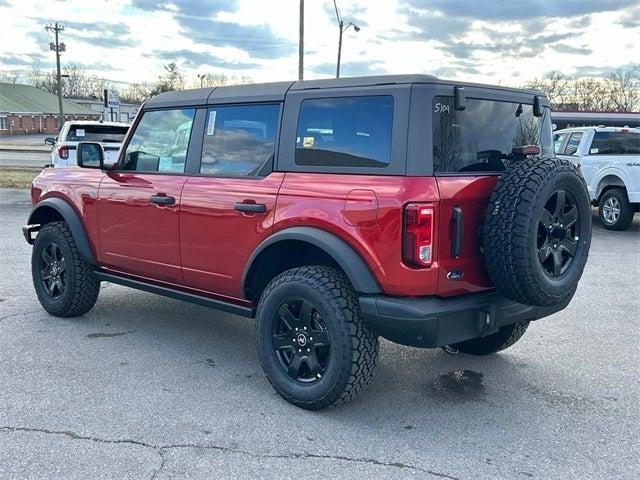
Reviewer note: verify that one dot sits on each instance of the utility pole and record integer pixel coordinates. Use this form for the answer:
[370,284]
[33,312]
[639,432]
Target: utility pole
[58,47]
[342,29]
[201,76]
[301,43]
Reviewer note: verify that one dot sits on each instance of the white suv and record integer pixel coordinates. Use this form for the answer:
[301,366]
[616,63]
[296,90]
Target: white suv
[609,158]
[109,134]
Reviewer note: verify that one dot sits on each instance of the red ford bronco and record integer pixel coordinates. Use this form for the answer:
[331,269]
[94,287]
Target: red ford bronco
[428,212]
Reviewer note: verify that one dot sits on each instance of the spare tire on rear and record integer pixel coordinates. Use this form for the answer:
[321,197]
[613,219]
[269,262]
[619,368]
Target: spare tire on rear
[537,231]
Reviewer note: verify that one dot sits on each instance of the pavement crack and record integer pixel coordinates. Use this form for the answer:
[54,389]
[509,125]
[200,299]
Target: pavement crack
[19,313]
[161,449]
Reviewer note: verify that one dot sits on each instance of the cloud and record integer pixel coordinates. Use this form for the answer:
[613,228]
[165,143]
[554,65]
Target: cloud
[507,46]
[193,8]
[38,61]
[516,10]
[105,34]
[571,50]
[198,60]
[630,19]
[348,69]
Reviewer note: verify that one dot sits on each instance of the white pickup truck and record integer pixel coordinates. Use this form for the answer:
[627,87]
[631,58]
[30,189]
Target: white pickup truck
[609,158]
[109,134]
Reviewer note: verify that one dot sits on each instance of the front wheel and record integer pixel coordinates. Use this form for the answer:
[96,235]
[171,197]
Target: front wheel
[312,342]
[63,280]
[614,210]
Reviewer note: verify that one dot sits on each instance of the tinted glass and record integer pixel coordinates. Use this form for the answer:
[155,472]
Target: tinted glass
[573,143]
[160,142]
[96,133]
[345,132]
[615,143]
[239,140]
[558,138]
[480,137]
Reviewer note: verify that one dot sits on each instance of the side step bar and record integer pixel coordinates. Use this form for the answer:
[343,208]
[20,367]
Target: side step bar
[177,294]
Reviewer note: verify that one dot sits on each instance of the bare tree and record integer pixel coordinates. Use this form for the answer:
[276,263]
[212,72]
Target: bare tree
[556,85]
[135,93]
[591,94]
[219,80]
[8,77]
[624,90]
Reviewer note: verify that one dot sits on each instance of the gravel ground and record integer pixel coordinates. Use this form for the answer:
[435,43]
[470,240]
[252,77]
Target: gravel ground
[148,387]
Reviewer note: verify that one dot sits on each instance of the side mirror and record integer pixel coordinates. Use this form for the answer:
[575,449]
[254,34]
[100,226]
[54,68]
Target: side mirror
[90,155]
[459,98]
[50,141]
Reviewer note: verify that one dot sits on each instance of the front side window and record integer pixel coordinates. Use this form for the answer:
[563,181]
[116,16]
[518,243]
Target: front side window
[345,132]
[96,133]
[239,140]
[3,123]
[573,143]
[482,136]
[615,143]
[160,142]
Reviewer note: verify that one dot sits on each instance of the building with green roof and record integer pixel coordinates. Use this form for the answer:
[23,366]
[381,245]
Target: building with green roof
[27,110]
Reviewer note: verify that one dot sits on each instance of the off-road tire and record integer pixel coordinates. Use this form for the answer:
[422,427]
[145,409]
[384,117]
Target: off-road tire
[353,346]
[503,338]
[510,231]
[626,210]
[81,287]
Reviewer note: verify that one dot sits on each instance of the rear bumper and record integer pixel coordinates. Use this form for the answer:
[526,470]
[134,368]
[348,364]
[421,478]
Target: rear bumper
[431,322]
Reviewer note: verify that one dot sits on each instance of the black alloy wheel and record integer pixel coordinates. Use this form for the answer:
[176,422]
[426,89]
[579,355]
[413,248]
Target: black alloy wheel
[53,270]
[558,233]
[300,340]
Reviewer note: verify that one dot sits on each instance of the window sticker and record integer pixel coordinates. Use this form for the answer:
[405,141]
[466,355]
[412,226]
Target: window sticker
[211,125]
[595,150]
[308,142]
[80,132]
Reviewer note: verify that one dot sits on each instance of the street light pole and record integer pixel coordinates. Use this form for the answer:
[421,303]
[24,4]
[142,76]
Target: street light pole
[301,43]
[201,76]
[342,28]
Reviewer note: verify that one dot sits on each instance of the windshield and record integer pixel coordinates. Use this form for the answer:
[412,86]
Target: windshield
[482,136]
[96,133]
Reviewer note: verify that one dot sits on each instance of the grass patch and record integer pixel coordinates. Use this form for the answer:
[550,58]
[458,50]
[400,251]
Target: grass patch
[17,177]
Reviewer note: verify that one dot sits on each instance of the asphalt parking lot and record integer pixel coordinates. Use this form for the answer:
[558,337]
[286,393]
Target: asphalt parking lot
[148,387]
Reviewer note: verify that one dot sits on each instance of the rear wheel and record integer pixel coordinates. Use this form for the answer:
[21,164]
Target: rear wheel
[503,338]
[614,210]
[63,280]
[313,345]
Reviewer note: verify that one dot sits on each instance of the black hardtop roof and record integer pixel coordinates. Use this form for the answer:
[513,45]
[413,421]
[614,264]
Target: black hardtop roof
[273,92]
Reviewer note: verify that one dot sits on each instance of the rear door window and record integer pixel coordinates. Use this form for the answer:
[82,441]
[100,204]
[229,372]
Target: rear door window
[96,133]
[160,141]
[240,140]
[573,143]
[558,139]
[345,132]
[482,136]
[615,143]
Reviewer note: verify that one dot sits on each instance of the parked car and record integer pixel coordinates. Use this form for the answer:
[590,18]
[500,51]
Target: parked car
[609,158]
[108,134]
[333,211]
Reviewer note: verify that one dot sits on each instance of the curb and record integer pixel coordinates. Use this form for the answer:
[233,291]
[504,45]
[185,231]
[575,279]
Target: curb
[24,150]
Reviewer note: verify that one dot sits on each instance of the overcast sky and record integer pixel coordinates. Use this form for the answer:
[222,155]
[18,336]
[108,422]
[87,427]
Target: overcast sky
[490,41]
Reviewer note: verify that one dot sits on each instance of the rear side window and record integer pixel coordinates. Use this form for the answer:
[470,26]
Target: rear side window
[239,140]
[345,132]
[615,143]
[573,143]
[558,138]
[480,137]
[96,133]
[160,142]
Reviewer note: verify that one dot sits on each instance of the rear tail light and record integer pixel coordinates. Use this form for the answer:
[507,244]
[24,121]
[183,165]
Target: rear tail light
[417,245]
[63,152]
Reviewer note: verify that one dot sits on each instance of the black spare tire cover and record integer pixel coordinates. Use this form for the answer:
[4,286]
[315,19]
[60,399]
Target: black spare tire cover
[537,231]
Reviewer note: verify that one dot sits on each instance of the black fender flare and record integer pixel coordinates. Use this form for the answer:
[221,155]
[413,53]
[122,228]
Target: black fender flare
[70,216]
[357,271]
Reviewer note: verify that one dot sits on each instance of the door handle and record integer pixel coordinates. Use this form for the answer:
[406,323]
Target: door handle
[456,244]
[250,207]
[162,200]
